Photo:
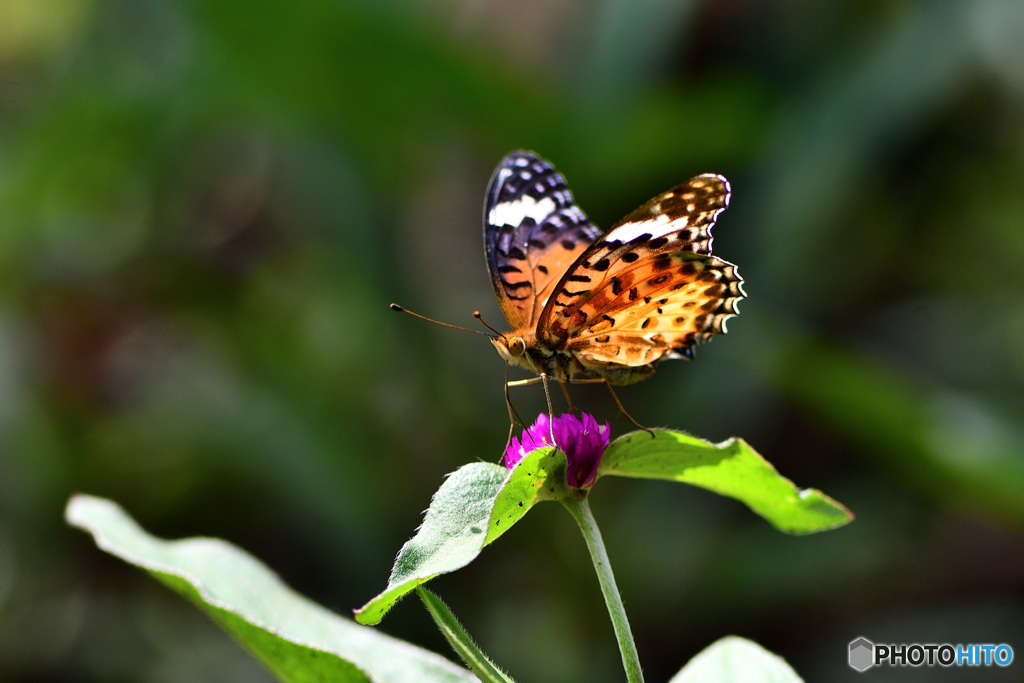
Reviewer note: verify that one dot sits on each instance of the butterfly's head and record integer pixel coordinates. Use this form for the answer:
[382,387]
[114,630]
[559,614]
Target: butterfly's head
[510,347]
[513,348]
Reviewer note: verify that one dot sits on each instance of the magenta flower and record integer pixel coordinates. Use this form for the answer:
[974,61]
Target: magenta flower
[582,440]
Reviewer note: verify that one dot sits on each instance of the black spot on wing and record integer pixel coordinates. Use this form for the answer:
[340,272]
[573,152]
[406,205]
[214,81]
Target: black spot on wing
[515,285]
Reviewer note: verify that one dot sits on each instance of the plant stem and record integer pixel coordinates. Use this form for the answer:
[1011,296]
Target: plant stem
[460,640]
[580,511]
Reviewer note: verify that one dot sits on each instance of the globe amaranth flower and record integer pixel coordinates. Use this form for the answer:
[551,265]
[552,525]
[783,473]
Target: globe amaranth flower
[582,440]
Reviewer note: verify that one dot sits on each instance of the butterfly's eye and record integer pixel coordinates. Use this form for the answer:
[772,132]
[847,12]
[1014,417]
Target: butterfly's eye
[516,346]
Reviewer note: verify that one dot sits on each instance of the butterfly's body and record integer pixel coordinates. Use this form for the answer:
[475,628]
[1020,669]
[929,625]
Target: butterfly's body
[520,348]
[563,365]
[586,306]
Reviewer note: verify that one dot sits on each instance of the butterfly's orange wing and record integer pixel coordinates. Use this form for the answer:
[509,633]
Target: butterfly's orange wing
[533,231]
[648,289]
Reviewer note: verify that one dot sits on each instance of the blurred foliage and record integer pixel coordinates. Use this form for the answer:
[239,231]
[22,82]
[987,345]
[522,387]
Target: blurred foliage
[205,208]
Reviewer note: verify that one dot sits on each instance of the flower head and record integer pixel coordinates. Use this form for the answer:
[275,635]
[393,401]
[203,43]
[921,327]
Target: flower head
[582,440]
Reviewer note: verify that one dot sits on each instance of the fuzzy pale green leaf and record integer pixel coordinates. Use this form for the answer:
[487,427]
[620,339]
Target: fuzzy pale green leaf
[298,640]
[731,468]
[736,660]
[476,504]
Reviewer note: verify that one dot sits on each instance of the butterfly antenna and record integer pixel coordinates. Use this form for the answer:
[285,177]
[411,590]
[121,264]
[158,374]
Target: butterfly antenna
[399,309]
[476,314]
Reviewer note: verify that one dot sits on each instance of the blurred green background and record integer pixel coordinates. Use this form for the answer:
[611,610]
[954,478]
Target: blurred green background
[206,207]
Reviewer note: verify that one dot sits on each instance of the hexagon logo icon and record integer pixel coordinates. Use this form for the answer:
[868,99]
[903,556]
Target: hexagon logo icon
[862,654]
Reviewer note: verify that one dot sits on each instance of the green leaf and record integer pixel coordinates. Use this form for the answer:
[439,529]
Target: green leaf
[731,468]
[298,640]
[460,640]
[475,505]
[734,659]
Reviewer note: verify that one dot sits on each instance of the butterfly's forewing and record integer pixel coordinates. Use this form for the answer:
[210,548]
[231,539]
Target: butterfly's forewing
[650,287]
[683,215]
[533,231]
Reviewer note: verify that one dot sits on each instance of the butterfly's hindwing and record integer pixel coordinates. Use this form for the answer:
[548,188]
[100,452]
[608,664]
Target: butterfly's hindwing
[533,231]
[674,301]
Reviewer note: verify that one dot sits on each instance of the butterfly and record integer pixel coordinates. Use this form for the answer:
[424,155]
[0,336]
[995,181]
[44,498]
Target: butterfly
[588,306]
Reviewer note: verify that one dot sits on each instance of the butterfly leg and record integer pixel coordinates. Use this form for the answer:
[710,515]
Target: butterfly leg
[513,415]
[511,411]
[623,410]
[615,398]
[551,411]
[543,379]
[565,390]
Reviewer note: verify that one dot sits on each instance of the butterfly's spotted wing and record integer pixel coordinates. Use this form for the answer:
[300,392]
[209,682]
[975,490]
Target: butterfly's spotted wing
[649,289]
[533,231]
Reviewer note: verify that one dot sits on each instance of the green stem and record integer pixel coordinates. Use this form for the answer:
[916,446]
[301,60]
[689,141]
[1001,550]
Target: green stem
[580,511]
